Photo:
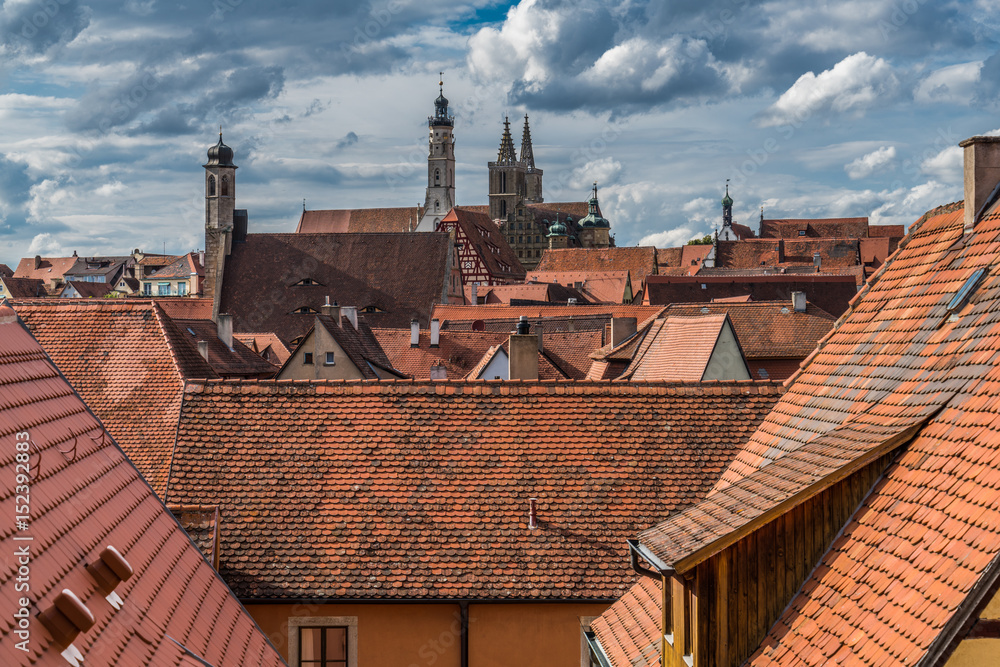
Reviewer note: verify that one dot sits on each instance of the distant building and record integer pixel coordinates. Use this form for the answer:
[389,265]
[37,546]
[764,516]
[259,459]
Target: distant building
[182,277]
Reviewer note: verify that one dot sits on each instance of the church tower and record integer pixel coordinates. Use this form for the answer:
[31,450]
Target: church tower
[507,187]
[220,206]
[532,175]
[727,233]
[440,164]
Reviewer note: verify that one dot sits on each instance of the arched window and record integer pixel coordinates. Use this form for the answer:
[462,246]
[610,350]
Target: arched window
[211,185]
[503,181]
[437,204]
[503,209]
[437,177]
[225,186]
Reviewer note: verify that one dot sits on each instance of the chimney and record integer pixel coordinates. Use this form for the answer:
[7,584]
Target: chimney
[523,353]
[541,343]
[475,294]
[225,329]
[621,329]
[201,258]
[817,261]
[532,513]
[38,262]
[351,313]
[799,302]
[66,618]
[414,333]
[982,174]
[203,349]
[331,311]
[439,372]
[435,332]
[571,301]
[781,250]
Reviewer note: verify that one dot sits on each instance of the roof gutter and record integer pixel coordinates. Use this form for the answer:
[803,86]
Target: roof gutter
[596,650]
[636,550]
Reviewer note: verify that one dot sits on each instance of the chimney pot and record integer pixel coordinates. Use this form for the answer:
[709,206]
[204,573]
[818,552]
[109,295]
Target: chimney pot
[66,618]
[38,262]
[224,326]
[522,325]
[414,333]
[532,513]
[435,332]
[331,310]
[981,162]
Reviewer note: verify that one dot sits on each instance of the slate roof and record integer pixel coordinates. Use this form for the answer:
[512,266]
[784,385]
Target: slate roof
[489,243]
[86,495]
[897,374]
[629,631]
[639,262]
[460,351]
[409,490]
[128,360]
[400,275]
[182,267]
[24,288]
[360,220]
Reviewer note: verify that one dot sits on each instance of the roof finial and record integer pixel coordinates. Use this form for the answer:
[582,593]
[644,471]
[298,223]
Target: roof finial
[220,131]
[441,82]
[595,189]
[303,204]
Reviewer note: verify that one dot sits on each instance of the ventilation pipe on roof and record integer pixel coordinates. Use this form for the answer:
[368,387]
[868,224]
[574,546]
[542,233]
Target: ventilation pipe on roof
[799,302]
[351,313]
[532,513]
[224,325]
[109,570]
[982,176]
[817,261]
[414,333]
[203,349]
[435,332]
[66,618]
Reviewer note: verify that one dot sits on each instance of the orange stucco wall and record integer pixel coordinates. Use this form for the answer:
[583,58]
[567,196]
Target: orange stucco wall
[428,635]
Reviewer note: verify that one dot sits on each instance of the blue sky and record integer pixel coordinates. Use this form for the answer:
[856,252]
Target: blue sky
[811,109]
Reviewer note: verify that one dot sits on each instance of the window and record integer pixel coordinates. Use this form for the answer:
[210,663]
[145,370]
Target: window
[306,282]
[437,176]
[802,232]
[163,289]
[330,360]
[538,253]
[181,289]
[520,239]
[305,310]
[147,289]
[225,186]
[437,204]
[503,209]
[307,357]
[538,239]
[520,253]
[211,186]
[323,641]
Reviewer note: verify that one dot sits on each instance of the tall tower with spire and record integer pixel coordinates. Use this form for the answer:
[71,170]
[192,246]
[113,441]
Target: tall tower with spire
[220,207]
[507,186]
[440,164]
[727,233]
[532,174]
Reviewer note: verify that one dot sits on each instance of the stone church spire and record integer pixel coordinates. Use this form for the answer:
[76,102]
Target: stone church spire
[527,156]
[440,193]
[506,156]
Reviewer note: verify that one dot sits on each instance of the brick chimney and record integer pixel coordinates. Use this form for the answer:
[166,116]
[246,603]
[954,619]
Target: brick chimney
[225,329]
[982,174]
[523,353]
[332,311]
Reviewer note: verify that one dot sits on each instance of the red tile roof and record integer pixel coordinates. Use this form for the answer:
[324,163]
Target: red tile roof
[546,369]
[824,227]
[629,632]
[897,374]
[891,231]
[182,267]
[186,307]
[639,262]
[397,277]
[239,361]
[49,268]
[503,312]
[128,361]
[86,496]
[422,490]
[489,243]
[677,349]
[596,286]
[360,220]
[267,345]
[5,271]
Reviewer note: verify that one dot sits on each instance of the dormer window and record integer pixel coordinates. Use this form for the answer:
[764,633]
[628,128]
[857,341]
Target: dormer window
[306,282]
[305,310]
[370,309]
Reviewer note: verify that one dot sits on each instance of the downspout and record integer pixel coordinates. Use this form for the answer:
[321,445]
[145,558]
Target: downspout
[636,550]
[464,610]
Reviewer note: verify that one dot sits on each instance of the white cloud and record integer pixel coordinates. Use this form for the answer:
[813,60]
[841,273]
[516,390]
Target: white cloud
[852,86]
[645,64]
[670,238]
[952,84]
[866,165]
[46,245]
[605,171]
[515,50]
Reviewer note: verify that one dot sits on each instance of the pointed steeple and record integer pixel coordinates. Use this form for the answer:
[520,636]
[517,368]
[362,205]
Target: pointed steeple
[727,208]
[506,156]
[527,156]
[441,116]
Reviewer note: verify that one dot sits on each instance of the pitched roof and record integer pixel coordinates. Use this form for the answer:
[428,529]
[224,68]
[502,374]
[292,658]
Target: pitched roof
[398,276]
[409,490]
[491,311]
[267,345]
[360,345]
[546,369]
[87,290]
[903,373]
[461,351]
[5,271]
[677,348]
[685,259]
[539,293]
[238,361]
[360,220]
[24,288]
[86,496]
[128,360]
[48,268]
[629,631]
[639,262]
[182,267]
[596,286]
[826,227]
[488,242]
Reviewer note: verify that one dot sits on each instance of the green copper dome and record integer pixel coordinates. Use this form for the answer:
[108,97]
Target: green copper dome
[593,217]
[556,229]
[727,200]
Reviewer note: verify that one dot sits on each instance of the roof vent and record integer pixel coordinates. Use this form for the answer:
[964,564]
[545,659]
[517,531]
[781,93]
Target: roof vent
[532,513]
[523,327]
[705,310]
[65,620]
[109,570]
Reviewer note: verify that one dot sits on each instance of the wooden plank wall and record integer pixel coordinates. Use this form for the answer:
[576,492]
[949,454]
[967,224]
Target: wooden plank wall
[743,590]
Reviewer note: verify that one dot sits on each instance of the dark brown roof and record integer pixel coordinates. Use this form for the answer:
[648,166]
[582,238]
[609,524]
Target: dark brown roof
[86,496]
[87,290]
[825,227]
[5,271]
[238,362]
[398,276]
[419,490]
[360,344]
[639,262]
[24,288]
[488,242]
[890,231]
[182,267]
[360,220]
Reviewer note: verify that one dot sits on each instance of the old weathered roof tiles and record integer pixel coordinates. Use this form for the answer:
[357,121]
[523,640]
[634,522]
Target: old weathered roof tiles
[629,631]
[639,262]
[85,495]
[407,490]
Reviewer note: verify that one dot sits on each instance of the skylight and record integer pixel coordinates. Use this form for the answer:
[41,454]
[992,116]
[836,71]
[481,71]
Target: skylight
[963,294]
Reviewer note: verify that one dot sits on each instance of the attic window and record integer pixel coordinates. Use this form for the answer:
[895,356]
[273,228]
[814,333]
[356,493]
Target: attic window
[963,294]
[802,232]
[305,282]
[371,309]
[305,310]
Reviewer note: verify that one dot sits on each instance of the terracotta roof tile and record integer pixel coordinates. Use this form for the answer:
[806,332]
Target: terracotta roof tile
[451,312]
[240,361]
[49,268]
[639,262]
[490,244]
[6,271]
[85,496]
[677,348]
[267,345]
[823,227]
[360,220]
[629,632]
[424,486]
[596,286]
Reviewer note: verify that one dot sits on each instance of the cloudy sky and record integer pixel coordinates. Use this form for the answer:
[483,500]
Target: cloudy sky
[812,109]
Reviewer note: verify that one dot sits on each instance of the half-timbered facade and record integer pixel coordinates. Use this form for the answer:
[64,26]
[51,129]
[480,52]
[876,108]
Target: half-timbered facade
[485,257]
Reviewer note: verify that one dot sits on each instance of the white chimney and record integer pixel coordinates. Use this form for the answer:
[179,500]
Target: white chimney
[435,332]
[439,372]
[475,294]
[799,302]
[224,326]
[414,333]
[203,349]
[982,174]
[351,313]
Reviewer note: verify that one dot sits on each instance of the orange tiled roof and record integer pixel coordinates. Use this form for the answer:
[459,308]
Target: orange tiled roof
[824,227]
[363,220]
[239,361]
[597,286]
[639,262]
[489,243]
[896,374]
[267,345]
[424,487]
[677,348]
[85,496]
[629,631]
[49,267]
[128,361]
[503,312]
[546,369]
